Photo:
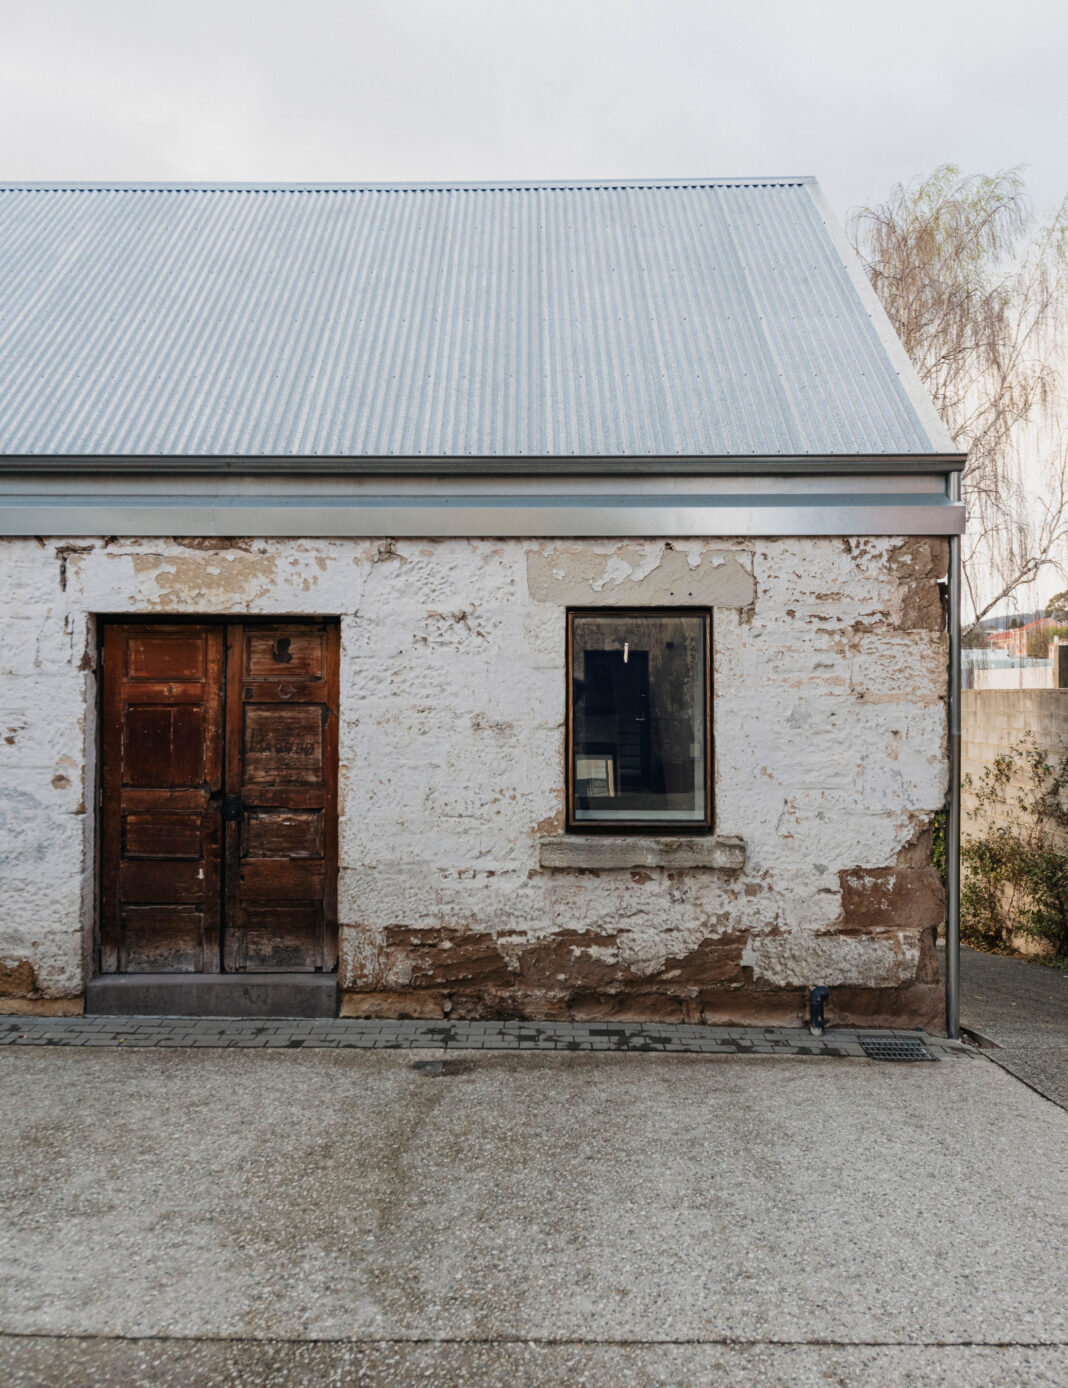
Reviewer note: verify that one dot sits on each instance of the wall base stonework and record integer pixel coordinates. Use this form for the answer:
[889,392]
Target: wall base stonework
[829,670]
[915,1005]
[742,1008]
[43,1007]
[21,996]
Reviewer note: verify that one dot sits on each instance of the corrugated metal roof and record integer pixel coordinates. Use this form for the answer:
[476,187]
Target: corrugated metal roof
[703,318]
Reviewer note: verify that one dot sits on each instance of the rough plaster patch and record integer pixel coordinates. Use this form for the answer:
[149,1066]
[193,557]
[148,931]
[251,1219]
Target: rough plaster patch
[631,574]
[232,577]
[865,961]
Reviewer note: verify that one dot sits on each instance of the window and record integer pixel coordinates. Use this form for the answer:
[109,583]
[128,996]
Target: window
[639,730]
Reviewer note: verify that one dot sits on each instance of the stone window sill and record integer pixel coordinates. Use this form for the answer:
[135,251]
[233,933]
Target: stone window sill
[724,852]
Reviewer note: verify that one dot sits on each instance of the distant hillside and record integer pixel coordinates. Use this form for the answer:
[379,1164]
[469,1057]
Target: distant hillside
[1019,619]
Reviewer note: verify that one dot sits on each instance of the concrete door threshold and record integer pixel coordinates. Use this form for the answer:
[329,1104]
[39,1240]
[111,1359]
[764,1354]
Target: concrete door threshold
[212,995]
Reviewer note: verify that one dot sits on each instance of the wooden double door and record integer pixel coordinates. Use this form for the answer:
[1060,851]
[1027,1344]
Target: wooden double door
[219,797]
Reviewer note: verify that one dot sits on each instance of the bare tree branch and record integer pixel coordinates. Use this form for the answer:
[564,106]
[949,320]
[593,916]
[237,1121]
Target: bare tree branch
[976,287]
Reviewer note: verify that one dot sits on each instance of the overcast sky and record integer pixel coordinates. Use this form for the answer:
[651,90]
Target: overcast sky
[860,94]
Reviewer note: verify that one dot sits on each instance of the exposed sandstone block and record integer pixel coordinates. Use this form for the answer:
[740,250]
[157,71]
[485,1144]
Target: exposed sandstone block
[920,556]
[919,564]
[446,958]
[922,606]
[569,961]
[917,852]
[716,960]
[418,1005]
[17,980]
[43,1007]
[915,1005]
[649,1006]
[879,898]
[782,1007]
[928,969]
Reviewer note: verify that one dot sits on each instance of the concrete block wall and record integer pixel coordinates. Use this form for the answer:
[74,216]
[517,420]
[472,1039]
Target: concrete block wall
[993,720]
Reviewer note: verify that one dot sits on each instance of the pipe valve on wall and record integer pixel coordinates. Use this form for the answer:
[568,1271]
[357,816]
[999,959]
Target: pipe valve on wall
[816,999]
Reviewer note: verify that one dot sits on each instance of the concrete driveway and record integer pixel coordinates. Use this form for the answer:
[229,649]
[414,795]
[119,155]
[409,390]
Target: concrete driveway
[1020,1010]
[317,1217]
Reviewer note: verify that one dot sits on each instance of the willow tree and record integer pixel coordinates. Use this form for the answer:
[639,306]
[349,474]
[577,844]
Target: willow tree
[976,286]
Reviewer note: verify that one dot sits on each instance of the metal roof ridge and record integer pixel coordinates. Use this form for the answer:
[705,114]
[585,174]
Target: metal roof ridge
[446,186]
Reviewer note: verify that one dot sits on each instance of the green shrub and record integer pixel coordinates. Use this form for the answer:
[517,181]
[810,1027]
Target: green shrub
[1038,643]
[1016,870]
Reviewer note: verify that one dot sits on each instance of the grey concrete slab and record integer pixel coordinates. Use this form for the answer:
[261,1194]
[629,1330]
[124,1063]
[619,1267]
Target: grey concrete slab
[322,1194]
[66,1363]
[1022,1008]
[1044,1068]
[1013,998]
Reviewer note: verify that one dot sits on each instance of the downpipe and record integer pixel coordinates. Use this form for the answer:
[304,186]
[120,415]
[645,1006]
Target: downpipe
[953,805]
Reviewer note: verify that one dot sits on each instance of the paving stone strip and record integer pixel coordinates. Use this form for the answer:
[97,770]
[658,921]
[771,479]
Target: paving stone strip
[344,1033]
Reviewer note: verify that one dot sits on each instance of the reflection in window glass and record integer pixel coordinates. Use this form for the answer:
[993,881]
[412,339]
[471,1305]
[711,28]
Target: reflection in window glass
[639,717]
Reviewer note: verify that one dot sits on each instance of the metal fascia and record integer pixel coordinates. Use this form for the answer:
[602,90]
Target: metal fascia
[452,466]
[317,517]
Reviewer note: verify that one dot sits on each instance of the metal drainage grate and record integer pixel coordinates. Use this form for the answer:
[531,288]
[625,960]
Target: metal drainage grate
[894,1048]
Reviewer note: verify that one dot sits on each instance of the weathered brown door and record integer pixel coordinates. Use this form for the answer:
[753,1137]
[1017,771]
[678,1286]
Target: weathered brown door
[219,797]
[162,746]
[281,806]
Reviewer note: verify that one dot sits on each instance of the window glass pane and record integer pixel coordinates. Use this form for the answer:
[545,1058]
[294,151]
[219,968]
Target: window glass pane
[639,717]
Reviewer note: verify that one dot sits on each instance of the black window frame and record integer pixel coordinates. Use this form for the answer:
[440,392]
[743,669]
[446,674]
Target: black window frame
[645,827]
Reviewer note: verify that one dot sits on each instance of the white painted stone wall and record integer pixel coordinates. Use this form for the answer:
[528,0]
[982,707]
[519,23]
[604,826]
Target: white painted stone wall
[829,727]
[1016,677]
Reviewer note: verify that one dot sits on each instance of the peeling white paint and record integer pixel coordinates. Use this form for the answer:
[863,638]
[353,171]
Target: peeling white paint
[836,961]
[829,726]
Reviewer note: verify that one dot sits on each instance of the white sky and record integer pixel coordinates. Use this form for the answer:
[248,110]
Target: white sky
[860,94]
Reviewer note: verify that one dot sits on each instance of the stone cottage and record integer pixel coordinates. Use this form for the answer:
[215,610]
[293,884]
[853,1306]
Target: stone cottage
[465,600]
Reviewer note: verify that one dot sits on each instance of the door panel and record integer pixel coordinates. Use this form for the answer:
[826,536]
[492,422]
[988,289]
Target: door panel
[162,836]
[281,772]
[295,654]
[275,833]
[219,804]
[274,938]
[283,746]
[162,775]
[163,940]
[164,744]
[178,654]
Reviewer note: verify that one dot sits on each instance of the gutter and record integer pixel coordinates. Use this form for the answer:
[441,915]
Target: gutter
[730,465]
